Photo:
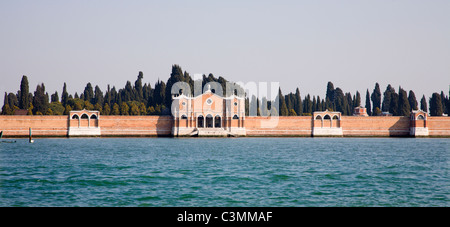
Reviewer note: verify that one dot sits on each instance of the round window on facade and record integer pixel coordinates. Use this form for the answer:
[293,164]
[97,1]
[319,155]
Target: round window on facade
[235,103]
[209,101]
[183,103]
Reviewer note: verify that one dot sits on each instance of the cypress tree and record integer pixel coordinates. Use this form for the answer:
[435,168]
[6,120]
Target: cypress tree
[412,100]
[65,95]
[98,96]
[298,103]
[40,100]
[340,101]
[387,98]
[376,98]
[88,93]
[394,103]
[357,101]
[368,105]
[436,105]
[330,96]
[423,104]
[138,87]
[282,104]
[54,97]
[24,101]
[404,108]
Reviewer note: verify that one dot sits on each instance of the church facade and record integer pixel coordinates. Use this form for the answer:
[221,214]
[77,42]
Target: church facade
[208,114]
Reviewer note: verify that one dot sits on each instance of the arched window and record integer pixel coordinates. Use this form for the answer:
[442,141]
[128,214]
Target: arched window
[420,117]
[75,117]
[209,121]
[217,122]
[327,117]
[184,117]
[93,116]
[84,116]
[335,117]
[318,117]
[200,121]
[236,117]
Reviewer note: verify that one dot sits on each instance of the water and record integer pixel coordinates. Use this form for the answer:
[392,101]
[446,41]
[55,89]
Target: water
[226,172]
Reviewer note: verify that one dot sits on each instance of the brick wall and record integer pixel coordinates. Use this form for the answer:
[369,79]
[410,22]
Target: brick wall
[284,126]
[136,125]
[438,126]
[18,126]
[375,126]
[255,126]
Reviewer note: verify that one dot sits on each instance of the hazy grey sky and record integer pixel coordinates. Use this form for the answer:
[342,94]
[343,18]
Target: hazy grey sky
[301,44]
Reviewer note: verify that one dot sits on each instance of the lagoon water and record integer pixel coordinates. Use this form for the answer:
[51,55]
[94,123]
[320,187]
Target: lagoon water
[226,172]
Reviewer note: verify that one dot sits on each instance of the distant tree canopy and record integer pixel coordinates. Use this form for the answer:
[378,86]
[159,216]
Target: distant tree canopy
[140,98]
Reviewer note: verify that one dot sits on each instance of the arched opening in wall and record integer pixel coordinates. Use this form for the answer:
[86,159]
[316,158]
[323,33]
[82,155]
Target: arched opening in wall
[200,121]
[75,121]
[183,121]
[84,122]
[217,122]
[235,117]
[420,122]
[209,121]
[327,121]
[318,122]
[94,120]
[335,121]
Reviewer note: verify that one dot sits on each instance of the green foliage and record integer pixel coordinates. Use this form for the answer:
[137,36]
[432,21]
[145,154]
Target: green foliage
[404,109]
[56,108]
[436,108]
[423,104]
[368,105]
[24,101]
[376,98]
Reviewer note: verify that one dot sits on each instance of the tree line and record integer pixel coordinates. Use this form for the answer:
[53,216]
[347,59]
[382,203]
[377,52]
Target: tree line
[143,99]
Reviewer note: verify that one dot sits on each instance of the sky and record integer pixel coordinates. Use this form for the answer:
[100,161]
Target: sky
[304,44]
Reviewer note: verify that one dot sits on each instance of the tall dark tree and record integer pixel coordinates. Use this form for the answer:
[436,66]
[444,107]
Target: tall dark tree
[88,92]
[340,101]
[412,100]
[444,102]
[436,105]
[283,110]
[394,103]
[376,98]
[24,101]
[307,105]
[348,104]
[40,100]
[139,88]
[357,101]
[387,98]
[368,105]
[423,104]
[98,96]
[404,109]
[65,95]
[54,97]
[330,96]
[298,107]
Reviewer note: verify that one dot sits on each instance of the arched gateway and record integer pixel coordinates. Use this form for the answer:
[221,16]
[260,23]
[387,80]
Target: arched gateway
[84,123]
[208,114]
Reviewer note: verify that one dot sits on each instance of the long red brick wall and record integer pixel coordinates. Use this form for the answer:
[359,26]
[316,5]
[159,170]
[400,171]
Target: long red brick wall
[438,126]
[283,126]
[375,126]
[136,125]
[18,126]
